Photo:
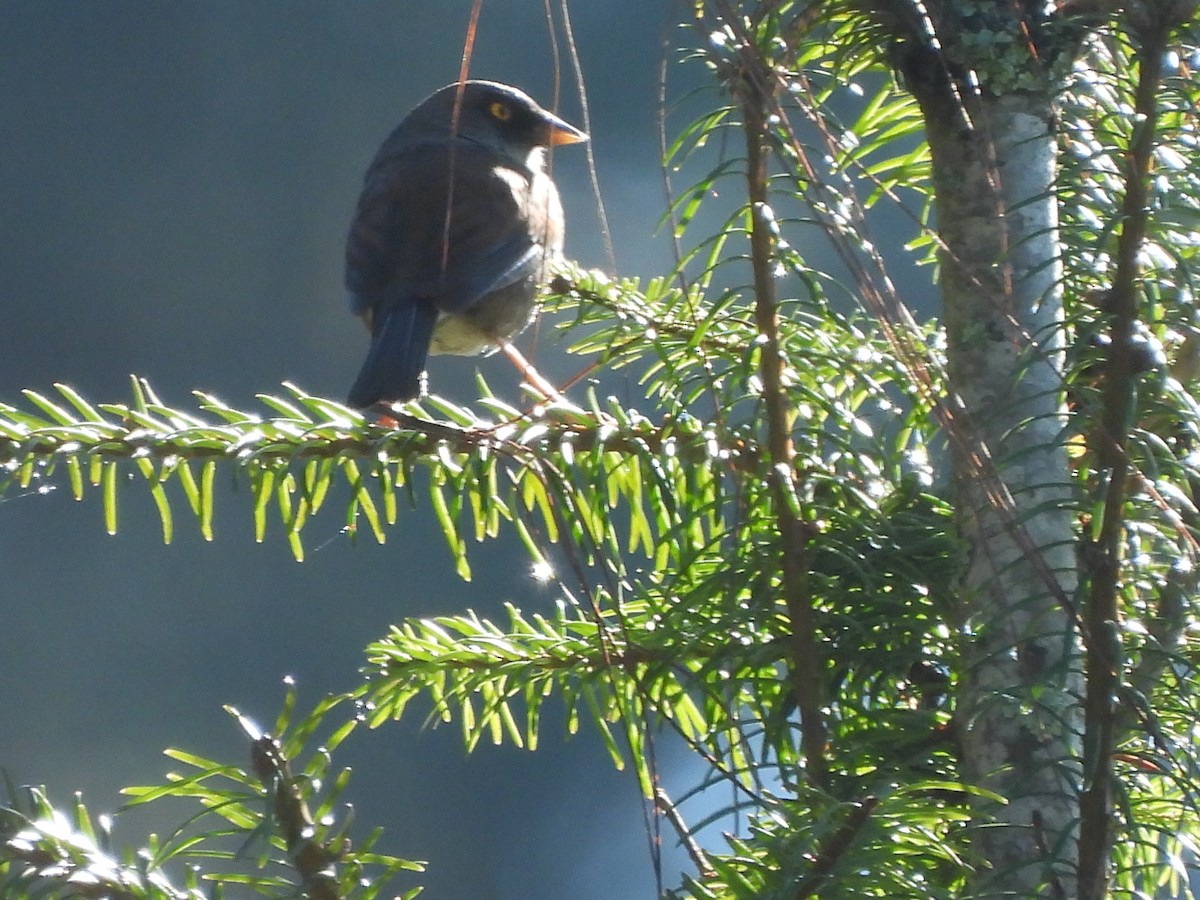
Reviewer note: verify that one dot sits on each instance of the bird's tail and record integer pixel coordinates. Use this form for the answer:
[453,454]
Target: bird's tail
[397,356]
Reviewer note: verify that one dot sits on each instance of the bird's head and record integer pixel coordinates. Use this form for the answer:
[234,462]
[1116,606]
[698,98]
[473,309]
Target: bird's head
[495,115]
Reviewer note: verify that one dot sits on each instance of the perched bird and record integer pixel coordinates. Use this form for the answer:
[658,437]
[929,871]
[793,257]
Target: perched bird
[453,233]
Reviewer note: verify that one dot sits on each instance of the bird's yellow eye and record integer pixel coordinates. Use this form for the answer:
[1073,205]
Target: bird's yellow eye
[501,112]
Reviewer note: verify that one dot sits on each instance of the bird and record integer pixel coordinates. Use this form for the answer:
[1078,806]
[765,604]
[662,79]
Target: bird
[454,232]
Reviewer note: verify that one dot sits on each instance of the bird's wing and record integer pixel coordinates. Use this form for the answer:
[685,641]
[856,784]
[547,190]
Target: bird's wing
[397,251]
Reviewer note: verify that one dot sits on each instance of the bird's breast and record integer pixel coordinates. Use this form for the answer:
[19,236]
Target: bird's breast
[495,318]
[545,209]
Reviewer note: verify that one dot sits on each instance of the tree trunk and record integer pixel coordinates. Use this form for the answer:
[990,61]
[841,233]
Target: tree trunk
[1018,707]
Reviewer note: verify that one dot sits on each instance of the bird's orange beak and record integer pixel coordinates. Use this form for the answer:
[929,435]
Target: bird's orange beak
[559,132]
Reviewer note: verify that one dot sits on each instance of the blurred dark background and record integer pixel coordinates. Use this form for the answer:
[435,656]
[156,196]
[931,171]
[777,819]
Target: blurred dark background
[175,185]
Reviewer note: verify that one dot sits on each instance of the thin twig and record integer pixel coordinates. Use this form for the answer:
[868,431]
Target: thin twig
[548,391]
[662,801]
[577,67]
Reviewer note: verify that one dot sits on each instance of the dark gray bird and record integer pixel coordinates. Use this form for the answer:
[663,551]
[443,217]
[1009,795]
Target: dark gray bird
[453,234]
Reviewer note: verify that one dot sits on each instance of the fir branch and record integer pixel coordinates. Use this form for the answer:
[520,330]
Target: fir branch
[1101,555]
[312,860]
[755,87]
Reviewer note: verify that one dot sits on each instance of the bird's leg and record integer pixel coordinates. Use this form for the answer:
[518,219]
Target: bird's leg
[548,391]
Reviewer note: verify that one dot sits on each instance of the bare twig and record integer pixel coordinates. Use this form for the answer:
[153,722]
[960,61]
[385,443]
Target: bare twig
[699,858]
[548,391]
[589,149]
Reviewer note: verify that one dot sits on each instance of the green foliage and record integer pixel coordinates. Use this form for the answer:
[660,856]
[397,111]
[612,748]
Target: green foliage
[237,839]
[485,463]
[1157,764]
[664,524]
[899,843]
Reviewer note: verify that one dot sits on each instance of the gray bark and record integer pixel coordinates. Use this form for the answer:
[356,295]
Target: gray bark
[1018,708]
